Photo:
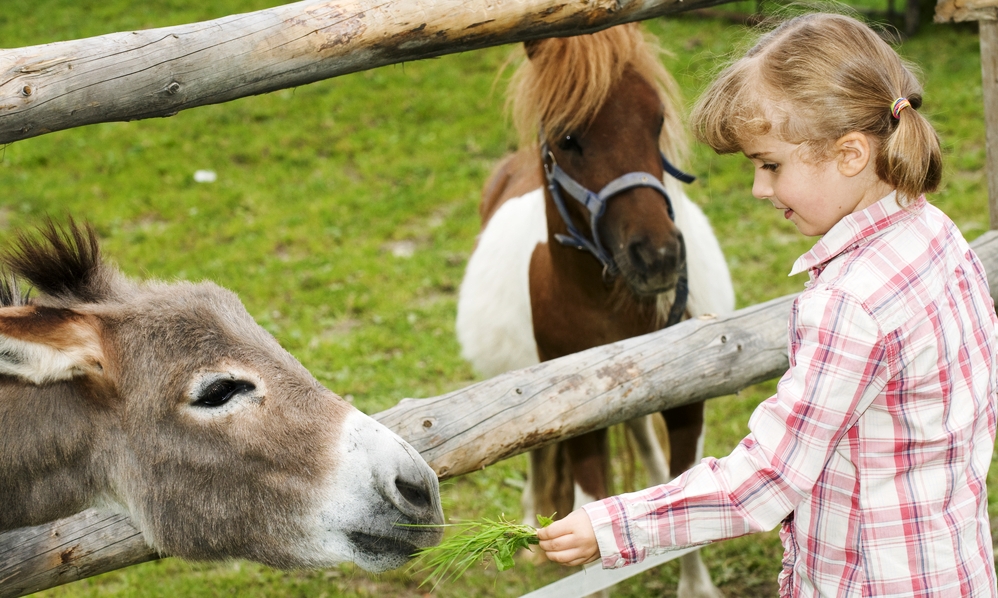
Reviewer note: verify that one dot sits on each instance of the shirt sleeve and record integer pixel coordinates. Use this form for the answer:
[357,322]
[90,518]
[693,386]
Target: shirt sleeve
[839,363]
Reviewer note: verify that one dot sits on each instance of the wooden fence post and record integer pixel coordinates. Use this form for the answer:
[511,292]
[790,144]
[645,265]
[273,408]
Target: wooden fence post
[985,12]
[989,86]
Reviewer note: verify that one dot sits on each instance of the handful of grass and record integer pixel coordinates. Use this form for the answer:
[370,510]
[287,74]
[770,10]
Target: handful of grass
[496,539]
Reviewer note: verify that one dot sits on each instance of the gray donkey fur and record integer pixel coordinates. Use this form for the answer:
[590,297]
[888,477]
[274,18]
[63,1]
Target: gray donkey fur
[169,403]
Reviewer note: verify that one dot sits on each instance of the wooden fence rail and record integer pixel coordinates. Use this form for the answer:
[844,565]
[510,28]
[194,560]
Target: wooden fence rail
[484,423]
[159,72]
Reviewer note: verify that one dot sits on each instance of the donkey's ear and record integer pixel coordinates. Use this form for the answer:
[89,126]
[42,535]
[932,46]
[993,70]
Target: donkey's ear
[45,344]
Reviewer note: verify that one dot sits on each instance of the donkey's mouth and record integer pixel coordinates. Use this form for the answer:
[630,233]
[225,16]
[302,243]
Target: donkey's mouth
[381,545]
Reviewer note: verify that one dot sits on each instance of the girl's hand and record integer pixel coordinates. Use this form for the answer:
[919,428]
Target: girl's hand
[570,541]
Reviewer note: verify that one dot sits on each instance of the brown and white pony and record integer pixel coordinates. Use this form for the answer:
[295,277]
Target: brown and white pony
[168,403]
[535,290]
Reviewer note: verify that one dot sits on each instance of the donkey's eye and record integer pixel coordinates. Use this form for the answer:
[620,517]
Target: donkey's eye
[219,392]
[570,144]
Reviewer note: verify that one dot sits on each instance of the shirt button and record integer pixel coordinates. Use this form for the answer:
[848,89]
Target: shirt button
[619,563]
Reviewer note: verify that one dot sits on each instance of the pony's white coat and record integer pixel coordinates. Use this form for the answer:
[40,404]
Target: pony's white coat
[494,321]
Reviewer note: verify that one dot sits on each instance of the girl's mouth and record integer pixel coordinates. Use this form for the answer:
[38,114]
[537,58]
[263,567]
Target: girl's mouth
[788,213]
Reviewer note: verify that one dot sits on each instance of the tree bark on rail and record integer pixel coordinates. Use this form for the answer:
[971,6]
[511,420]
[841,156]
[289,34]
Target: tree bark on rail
[471,428]
[159,72]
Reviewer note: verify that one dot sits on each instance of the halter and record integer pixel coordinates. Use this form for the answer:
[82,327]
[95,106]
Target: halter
[595,203]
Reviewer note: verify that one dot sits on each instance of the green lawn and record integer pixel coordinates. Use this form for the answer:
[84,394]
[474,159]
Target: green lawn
[343,215]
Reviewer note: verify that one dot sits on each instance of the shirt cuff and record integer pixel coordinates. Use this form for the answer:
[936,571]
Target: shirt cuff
[608,519]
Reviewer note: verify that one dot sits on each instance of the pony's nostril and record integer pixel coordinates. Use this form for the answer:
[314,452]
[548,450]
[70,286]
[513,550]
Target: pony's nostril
[417,496]
[643,255]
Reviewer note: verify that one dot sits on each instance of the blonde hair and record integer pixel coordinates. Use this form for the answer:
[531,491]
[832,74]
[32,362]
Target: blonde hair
[568,79]
[815,78]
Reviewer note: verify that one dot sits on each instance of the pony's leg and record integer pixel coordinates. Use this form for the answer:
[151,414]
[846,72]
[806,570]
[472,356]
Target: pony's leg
[649,448]
[685,425]
[548,489]
[589,455]
[543,471]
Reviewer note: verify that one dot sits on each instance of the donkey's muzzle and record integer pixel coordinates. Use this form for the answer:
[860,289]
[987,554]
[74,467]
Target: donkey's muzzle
[414,490]
[391,499]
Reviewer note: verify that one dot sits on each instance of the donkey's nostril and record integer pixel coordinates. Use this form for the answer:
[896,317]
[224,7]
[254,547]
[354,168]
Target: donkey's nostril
[417,496]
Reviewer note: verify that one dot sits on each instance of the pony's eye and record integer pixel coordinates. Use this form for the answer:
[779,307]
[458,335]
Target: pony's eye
[219,392]
[569,144]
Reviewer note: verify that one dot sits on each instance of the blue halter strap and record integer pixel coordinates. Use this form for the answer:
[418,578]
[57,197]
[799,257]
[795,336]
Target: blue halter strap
[595,204]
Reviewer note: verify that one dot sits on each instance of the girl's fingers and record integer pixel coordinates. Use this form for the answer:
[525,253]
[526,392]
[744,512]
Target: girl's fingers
[572,556]
[570,541]
[556,544]
[558,528]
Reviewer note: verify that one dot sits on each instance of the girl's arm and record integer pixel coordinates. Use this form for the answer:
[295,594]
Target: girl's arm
[838,365]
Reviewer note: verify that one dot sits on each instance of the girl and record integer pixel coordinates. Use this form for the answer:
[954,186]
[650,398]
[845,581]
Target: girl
[874,451]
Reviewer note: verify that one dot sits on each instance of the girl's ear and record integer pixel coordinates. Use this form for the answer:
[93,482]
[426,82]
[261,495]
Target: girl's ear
[45,344]
[853,152]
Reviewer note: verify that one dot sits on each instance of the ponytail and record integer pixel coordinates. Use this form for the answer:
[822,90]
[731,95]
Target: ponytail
[910,158]
[816,78]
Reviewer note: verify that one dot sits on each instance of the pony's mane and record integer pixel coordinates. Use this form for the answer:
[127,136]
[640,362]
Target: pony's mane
[65,263]
[567,79]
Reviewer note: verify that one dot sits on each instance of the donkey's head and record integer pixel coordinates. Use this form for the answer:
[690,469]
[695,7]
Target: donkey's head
[606,109]
[169,403]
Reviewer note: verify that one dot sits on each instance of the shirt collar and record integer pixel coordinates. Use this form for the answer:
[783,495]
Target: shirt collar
[853,228]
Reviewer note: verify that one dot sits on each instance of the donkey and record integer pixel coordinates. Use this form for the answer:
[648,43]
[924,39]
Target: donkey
[559,269]
[168,403]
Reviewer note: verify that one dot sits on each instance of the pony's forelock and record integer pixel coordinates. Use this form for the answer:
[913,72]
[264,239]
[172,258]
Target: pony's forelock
[565,82]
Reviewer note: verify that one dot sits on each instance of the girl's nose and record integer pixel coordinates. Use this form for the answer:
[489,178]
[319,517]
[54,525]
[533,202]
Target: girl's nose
[761,189]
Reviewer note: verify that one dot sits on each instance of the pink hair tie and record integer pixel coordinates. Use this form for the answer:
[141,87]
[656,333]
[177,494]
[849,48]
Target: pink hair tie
[899,105]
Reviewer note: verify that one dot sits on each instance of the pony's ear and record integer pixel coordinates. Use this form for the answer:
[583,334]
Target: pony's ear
[45,344]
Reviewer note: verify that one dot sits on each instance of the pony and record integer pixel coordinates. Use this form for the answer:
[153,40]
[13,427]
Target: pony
[558,268]
[169,404]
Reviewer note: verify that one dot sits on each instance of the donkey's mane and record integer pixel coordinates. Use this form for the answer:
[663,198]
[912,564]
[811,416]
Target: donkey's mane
[64,263]
[566,81]
[10,292]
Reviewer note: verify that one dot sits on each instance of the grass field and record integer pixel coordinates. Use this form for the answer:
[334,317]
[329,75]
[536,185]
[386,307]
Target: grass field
[343,215]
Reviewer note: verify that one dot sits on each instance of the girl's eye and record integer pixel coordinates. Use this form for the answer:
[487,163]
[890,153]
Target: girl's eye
[770,166]
[219,392]
[569,144]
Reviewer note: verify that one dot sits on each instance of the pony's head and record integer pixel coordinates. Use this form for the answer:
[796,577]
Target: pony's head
[606,107]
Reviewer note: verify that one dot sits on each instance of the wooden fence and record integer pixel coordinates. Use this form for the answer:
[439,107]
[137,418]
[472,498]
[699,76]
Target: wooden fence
[159,72]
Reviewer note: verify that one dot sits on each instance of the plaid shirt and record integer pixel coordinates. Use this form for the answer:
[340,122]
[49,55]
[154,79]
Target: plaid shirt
[874,451]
